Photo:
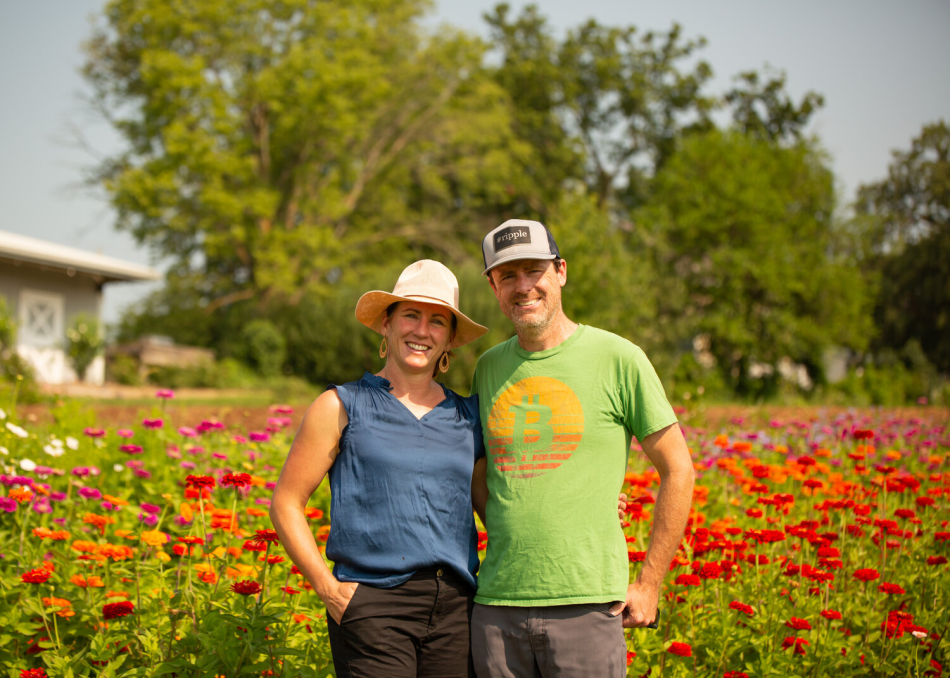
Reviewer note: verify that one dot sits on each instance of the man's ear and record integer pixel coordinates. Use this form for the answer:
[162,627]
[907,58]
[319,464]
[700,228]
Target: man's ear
[491,282]
[562,272]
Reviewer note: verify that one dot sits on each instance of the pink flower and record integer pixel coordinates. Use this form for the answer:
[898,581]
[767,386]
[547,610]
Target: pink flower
[94,432]
[131,449]
[188,432]
[124,433]
[153,424]
[167,394]
[259,437]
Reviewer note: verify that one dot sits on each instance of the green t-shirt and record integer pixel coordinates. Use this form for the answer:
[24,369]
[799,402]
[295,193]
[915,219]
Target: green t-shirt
[557,427]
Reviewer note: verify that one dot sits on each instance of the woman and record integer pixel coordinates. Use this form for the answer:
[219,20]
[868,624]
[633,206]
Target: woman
[400,450]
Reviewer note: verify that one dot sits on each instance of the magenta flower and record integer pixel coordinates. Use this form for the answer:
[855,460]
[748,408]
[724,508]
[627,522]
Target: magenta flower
[90,493]
[125,433]
[151,508]
[188,432]
[165,394]
[239,439]
[259,436]
[94,432]
[153,424]
[7,504]
[131,449]
[282,409]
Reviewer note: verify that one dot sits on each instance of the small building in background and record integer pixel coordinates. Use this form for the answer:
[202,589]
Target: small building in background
[46,285]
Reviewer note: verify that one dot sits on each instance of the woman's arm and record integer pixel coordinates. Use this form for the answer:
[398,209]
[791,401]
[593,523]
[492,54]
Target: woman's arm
[311,455]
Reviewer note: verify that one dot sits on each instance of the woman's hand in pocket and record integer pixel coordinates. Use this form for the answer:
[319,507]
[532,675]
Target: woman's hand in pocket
[339,599]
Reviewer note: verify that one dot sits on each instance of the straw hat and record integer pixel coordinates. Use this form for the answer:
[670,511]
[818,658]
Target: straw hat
[425,281]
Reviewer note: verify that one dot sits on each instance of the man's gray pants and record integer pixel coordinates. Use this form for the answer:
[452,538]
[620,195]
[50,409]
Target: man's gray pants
[562,641]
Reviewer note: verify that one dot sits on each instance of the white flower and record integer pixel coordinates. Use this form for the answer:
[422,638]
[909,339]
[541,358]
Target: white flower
[55,442]
[53,451]
[118,467]
[919,635]
[28,465]
[72,443]
[4,450]
[3,415]
[16,430]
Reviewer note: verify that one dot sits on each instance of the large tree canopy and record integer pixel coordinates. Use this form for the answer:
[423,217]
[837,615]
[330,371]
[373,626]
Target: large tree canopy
[743,230]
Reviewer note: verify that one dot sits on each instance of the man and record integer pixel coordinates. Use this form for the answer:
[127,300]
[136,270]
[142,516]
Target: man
[559,403]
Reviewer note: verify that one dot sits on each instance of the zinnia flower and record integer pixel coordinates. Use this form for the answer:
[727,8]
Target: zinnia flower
[680,649]
[687,580]
[831,614]
[199,482]
[114,610]
[236,480]
[798,643]
[33,673]
[246,587]
[269,536]
[153,424]
[798,624]
[36,576]
[889,588]
[867,574]
[741,607]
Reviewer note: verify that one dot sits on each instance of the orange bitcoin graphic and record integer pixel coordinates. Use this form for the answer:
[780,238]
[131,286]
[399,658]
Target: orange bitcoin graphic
[534,427]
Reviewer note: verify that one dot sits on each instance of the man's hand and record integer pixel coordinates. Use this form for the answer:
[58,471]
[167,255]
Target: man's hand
[339,599]
[621,505]
[641,607]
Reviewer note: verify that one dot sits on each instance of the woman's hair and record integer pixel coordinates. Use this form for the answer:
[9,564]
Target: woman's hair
[455,323]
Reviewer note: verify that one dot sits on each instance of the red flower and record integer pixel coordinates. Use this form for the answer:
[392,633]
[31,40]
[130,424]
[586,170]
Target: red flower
[886,587]
[936,560]
[687,580]
[236,479]
[630,657]
[863,434]
[636,556]
[191,540]
[680,649]
[867,574]
[710,571]
[269,536]
[798,624]
[252,545]
[735,674]
[37,576]
[831,614]
[289,590]
[199,482]
[942,536]
[741,607]
[246,587]
[33,673]
[113,610]
[798,643]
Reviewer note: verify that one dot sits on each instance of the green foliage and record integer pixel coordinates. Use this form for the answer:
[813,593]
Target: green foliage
[226,373]
[7,327]
[266,347]
[123,369]
[83,343]
[906,219]
[742,228]
[893,378]
[765,110]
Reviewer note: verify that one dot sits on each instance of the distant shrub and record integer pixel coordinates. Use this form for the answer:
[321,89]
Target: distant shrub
[83,343]
[124,369]
[266,347]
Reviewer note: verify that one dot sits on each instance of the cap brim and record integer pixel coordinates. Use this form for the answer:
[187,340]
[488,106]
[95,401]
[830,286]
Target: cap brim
[372,306]
[520,257]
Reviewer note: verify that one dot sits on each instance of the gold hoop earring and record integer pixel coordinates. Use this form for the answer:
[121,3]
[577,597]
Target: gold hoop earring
[444,363]
[383,348]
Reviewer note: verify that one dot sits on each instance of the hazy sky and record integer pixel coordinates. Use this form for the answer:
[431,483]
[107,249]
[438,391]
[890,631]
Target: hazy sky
[882,67]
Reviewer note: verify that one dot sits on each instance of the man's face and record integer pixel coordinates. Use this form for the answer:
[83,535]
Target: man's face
[529,291]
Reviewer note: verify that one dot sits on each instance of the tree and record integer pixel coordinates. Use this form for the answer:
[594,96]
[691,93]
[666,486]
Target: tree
[604,106]
[278,147]
[907,219]
[743,227]
[766,111]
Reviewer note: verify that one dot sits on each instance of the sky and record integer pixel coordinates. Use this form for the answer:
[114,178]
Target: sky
[877,63]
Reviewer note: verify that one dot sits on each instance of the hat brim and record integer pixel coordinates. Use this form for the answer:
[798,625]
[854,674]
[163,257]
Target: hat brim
[371,308]
[520,257]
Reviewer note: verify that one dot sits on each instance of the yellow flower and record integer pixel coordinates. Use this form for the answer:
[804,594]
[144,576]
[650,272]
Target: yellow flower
[154,538]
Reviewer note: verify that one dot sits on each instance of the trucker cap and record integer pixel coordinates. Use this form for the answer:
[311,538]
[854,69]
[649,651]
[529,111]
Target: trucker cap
[518,239]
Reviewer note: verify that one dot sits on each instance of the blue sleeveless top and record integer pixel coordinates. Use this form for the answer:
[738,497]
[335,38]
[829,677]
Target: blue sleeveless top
[401,487]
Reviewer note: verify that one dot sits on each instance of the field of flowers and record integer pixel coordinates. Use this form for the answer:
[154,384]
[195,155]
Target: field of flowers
[817,546]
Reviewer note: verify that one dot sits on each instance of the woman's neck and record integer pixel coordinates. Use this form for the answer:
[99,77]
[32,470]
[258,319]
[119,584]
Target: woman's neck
[415,387]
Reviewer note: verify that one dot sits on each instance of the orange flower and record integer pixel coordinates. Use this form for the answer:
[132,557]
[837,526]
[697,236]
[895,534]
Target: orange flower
[125,534]
[55,535]
[85,546]
[257,481]
[722,441]
[223,519]
[300,618]
[61,603]
[252,511]
[20,495]
[115,500]
[116,594]
[208,577]
[154,537]
[313,513]
[93,582]
[186,513]
[98,521]
[116,551]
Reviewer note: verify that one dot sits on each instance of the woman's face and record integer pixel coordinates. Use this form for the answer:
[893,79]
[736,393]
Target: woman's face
[418,334]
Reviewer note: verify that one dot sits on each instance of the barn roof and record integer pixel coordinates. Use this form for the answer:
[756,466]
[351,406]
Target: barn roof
[15,247]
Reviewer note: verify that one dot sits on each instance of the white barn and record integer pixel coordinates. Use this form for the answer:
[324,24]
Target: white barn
[45,284]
